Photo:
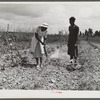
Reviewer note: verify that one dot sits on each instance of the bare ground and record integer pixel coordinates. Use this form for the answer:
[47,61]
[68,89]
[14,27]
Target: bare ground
[55,74]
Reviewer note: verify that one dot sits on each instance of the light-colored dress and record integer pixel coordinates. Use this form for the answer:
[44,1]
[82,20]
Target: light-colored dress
[36,47]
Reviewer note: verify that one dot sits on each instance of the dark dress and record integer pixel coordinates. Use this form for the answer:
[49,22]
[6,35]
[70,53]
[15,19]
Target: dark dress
[73,36]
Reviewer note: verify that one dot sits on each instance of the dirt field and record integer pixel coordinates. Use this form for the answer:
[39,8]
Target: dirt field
[21,72]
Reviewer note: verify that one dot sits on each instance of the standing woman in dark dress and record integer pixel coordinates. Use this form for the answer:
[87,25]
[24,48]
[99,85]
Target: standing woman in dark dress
[72,40]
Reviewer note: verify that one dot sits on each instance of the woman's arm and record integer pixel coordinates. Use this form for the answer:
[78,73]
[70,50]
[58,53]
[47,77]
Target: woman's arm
[76,37]
[45,47]
[45,40]
[37,37]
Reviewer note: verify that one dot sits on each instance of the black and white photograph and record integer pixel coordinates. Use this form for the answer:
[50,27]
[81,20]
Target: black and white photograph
[50,46]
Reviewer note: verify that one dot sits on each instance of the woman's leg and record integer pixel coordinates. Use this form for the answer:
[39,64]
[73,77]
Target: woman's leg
[71,57]
[76,54]
[38,67]
[37,61]
[40,61]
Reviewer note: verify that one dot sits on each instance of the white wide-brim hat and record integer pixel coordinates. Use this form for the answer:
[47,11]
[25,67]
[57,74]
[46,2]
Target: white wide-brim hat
[44,25]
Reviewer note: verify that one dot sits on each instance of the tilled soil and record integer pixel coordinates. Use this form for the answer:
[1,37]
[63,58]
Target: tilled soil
[22,73]
[90,60]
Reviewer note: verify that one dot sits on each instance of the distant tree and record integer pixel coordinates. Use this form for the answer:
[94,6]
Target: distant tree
[97,33]
[86,34]
[90,31]
[61,36]
[61,32]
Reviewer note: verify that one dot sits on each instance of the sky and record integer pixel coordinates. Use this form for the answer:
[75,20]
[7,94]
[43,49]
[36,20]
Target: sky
[27,16]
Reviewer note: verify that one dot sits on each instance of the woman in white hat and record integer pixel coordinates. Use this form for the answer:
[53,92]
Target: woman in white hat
[38,43]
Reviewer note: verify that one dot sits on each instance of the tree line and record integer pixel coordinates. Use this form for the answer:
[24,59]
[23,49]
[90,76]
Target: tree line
[89,32]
